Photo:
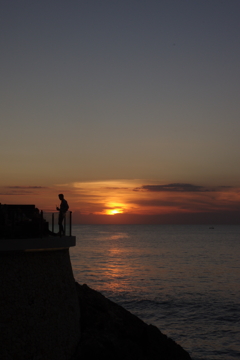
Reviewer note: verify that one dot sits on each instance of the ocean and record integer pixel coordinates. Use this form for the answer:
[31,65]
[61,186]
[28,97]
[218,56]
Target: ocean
[183,279]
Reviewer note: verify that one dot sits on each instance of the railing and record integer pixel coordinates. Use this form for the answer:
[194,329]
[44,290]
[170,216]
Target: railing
[26,221]
[52,220]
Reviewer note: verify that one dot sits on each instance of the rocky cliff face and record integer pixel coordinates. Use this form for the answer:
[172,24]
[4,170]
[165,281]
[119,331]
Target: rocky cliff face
[110,332]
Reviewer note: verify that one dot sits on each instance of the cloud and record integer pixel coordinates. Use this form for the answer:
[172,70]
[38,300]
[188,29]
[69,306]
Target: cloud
[193,204]
[155,202]
[115,188]
[20,190]
[8,193]
[26,187]
[178,187]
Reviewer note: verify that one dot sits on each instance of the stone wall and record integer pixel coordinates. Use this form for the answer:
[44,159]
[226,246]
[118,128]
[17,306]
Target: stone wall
[39,311]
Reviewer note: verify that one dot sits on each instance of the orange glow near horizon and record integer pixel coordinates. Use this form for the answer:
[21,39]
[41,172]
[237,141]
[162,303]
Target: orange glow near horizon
[103,199]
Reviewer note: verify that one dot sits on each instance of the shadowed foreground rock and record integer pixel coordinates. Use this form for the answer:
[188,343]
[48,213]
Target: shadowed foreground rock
[110,332]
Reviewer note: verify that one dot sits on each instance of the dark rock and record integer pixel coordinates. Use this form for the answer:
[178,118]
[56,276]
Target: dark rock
[110,332]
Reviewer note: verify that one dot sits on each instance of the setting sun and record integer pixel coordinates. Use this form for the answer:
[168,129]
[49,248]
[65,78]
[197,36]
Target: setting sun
[114,211]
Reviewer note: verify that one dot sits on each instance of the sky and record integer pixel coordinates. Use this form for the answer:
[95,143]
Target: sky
[129,108]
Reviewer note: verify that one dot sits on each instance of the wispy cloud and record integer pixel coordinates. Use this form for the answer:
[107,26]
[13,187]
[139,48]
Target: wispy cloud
[25,187]
[13,193]
[20,190]
[179,187]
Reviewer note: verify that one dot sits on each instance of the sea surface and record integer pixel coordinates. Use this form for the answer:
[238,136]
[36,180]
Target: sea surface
[183,279]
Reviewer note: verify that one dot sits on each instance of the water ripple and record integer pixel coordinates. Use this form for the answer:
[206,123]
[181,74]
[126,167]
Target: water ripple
[183,279]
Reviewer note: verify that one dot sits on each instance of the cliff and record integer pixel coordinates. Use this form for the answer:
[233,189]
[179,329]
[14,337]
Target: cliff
[108,332]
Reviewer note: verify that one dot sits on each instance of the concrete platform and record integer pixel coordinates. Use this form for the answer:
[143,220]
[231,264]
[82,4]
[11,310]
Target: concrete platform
[39,308]
[37,244]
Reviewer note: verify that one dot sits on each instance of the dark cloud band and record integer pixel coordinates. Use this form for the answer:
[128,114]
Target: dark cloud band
[178,187]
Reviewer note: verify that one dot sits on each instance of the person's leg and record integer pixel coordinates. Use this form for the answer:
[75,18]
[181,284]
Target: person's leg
[60,224]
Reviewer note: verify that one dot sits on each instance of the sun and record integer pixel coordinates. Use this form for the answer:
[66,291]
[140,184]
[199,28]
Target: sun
[114,208]
[114,211]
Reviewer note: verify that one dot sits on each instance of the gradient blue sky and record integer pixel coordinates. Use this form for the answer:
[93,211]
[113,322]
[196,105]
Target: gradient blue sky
[119,90]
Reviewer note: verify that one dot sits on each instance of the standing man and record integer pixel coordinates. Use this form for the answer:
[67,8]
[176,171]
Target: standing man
[62,212]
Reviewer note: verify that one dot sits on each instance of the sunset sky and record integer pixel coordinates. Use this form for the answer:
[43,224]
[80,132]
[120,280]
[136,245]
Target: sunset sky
[129,108]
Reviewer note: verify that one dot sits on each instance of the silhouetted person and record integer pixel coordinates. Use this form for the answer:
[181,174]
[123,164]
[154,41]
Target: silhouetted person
[62,212]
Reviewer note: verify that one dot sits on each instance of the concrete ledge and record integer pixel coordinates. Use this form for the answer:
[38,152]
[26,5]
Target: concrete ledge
[39,310]
[47,243]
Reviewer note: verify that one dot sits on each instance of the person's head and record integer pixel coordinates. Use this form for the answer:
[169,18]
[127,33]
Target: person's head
[61,197]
